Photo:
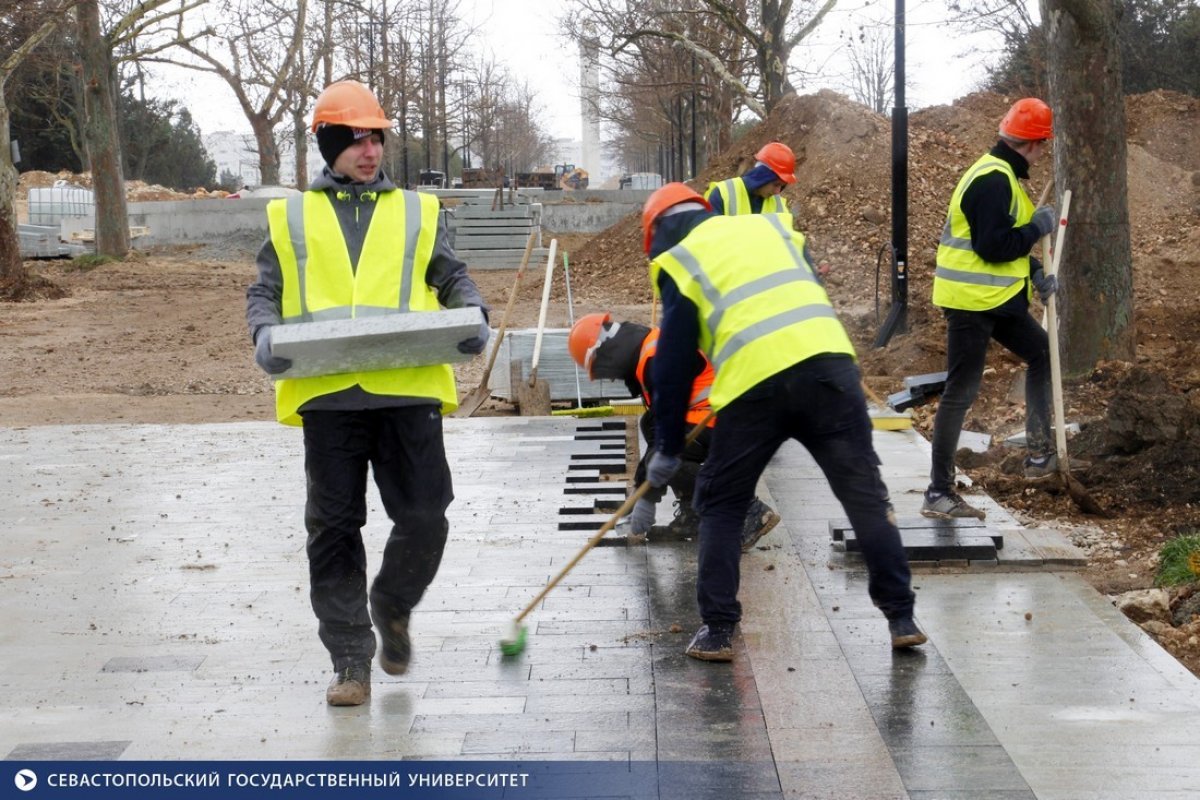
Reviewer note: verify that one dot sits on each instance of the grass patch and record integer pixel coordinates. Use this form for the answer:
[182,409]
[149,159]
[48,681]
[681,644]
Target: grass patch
[89,261]
[1179,561]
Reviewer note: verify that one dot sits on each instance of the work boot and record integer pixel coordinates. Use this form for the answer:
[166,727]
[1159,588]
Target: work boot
[905,633]
[760,519]
[396,648]
[350,686]
[712,643]
[1040,468]
[949,506]
[686,523]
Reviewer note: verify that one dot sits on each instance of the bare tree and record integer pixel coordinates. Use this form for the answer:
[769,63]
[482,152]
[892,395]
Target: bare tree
[872,66]
[1089,159]
[43,20]
[262,40]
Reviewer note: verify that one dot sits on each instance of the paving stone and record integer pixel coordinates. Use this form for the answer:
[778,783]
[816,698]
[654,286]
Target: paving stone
[68,751]
[330,347]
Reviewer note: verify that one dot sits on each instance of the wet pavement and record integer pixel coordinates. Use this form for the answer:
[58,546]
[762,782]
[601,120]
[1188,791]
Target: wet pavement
[154,588]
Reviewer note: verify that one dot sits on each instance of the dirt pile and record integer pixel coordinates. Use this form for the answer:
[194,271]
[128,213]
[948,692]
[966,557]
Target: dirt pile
[135,191]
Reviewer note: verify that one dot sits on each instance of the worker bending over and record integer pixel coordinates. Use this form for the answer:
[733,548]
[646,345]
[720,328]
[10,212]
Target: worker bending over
[741,289]
[757,191]
[625,351]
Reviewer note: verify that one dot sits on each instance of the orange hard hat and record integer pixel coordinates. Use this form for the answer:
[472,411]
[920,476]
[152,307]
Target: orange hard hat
[780,159]
[349,103]
[583,337]
[671,194]
[1029,119]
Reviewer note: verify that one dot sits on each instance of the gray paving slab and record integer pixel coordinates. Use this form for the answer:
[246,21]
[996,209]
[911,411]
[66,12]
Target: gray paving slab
[160,572]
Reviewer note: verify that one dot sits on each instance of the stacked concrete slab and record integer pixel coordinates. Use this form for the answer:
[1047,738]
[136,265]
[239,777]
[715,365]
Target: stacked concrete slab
[494,238]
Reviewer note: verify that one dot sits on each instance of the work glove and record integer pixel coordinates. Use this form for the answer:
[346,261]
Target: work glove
[1046,285]
[474,346]
[642,518]
[272,365]
[1044,219]
[661,468]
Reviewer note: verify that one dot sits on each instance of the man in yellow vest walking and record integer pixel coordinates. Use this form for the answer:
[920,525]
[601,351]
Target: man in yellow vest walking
[758,191]
[355,245]
[984,280]
[742,290]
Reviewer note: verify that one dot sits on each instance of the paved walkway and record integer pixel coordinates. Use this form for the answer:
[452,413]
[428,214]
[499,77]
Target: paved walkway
[154,585]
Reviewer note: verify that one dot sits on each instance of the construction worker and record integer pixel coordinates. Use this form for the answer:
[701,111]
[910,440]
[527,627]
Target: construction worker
[742,289]
[757,191]
[355,245]
[984,280]
[624,351]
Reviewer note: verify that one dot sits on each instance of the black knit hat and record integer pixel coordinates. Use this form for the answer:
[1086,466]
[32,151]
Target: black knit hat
[333,139]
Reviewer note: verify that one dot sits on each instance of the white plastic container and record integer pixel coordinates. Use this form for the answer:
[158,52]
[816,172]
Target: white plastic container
[49,205]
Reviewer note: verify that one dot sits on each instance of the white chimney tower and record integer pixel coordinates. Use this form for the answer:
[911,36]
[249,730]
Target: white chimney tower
[589,82]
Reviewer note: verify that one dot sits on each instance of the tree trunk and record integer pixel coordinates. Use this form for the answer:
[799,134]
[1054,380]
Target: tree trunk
[300,140]
[1096,278]
[268,153]
[772,58]
[12,271]
[100,134]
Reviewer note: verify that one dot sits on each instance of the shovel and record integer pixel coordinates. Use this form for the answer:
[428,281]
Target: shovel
[471,403]
[533,396]
[1079,495]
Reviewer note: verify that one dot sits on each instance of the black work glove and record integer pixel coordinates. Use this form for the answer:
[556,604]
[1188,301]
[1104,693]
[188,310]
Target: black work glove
[1044,219]
[272,365]
[1046,285]
[474,346]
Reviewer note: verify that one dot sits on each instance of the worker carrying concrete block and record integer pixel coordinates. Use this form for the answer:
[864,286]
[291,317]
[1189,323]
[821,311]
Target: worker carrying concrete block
[624,351]
[354,245]
[758,190]
[741,290]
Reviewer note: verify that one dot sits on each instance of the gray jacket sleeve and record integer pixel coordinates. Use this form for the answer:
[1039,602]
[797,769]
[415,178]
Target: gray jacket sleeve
[264,297]
[447,274]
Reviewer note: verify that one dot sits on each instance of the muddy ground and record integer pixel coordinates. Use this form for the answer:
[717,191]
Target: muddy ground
[161,338]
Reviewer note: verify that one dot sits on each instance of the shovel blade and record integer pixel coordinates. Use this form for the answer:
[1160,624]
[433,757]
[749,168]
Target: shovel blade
[472,402]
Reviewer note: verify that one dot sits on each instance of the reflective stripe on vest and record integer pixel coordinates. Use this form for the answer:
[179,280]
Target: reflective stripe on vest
[736,198]
[761,308]
[698,405]
[962,279]
[319,283]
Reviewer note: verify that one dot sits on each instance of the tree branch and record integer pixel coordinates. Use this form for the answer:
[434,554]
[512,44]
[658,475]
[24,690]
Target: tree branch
[811,25]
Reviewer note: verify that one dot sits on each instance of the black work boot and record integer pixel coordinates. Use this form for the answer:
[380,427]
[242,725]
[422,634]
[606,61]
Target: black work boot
[396,648]
[760,519]
[686,523]
[350,686]
[905,633]
[712,643]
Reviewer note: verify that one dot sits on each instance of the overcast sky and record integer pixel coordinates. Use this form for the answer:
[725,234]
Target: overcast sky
[942,64]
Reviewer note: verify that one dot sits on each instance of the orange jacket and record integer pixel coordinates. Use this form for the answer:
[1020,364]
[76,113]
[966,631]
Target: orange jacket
[698,408]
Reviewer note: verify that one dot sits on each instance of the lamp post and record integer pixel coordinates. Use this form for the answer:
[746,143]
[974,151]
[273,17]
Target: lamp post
[897,319]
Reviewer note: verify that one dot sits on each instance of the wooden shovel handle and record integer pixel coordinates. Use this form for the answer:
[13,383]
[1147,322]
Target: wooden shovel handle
[512,301]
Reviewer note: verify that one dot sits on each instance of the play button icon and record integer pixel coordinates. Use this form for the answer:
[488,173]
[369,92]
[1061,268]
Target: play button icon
[25,780]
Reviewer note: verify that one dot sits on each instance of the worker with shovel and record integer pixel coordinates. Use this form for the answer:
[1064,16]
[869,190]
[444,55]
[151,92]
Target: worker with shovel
[740,289]
[984,280]
[625,351]
[355,245]
[757,191]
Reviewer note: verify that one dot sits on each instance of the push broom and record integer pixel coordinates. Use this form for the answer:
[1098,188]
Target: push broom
[512,641]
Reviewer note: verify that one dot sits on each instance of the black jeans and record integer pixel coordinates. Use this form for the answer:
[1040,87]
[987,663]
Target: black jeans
[683,482]
[820,404]
[967,336]
[404,449]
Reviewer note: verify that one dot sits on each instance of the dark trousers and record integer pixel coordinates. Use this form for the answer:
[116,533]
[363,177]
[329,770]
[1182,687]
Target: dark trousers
[683,482]
[404,449]
[967,336]
[820,404]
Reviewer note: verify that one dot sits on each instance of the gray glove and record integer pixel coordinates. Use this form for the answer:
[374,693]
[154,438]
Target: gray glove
[270,364]
[661,468]
[1044,219]
[1046,285]
[642,518]
[474,346]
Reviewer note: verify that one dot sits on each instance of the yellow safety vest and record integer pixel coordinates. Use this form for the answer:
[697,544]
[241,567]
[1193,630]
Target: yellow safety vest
[761,308]
[962,279]
[737,199]
[319,283]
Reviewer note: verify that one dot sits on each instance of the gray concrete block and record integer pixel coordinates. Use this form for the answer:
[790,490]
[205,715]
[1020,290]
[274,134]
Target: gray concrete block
[555,366]
[471,241]
[371,343]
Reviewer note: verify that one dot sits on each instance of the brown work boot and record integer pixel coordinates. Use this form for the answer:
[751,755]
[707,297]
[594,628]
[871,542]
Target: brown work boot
[760,519]
[350,686]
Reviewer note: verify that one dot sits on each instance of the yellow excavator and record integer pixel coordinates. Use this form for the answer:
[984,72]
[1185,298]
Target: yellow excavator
[570,177]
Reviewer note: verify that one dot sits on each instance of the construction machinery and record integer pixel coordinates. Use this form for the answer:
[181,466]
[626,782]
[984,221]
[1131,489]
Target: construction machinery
[570,177]
[560,176]
[482,177]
